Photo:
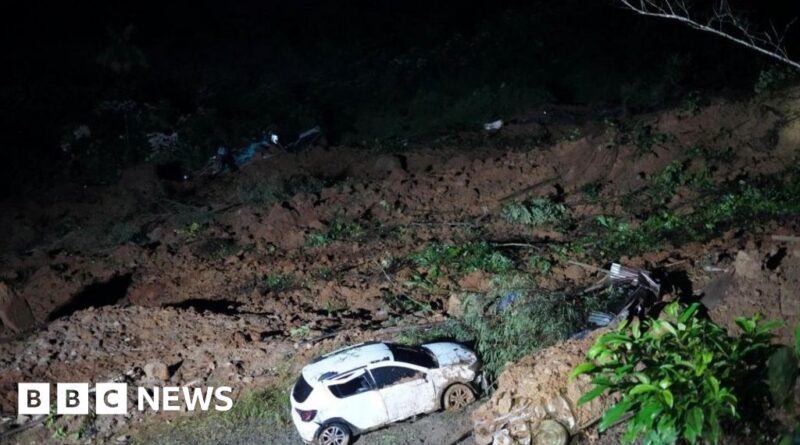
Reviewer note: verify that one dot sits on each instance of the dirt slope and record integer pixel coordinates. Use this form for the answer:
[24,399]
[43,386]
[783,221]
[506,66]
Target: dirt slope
[223,279]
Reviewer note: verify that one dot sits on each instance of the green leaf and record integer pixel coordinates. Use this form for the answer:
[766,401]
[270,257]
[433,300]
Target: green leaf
[647,414]
[643,388]
[689,312]
[592,394]
[636,329]
[641,377]
[694,425]
[667,396]
[714,383]
[748,325]
[596,350]
[613,414]
[583,368]
[782,374]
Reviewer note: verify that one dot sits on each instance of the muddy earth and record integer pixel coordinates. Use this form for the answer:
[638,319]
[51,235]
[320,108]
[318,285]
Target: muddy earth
[242,279]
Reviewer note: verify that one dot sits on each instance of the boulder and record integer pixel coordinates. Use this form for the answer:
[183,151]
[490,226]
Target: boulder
[746,266]
[14,311]
[157,371]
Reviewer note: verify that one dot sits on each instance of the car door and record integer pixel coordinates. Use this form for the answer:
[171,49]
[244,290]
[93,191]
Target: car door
[356,400]
[406,391]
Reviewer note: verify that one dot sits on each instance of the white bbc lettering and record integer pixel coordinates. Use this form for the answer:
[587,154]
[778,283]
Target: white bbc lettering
[153,401]
[193,396]
[72,398]
[111,398]
[170,398]
[33,398]
[227,401]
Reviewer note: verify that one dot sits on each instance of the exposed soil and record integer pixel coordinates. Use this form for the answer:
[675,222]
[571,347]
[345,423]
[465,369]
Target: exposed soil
[216,278]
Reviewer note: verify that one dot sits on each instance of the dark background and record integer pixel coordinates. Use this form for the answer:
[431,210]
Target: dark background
[370,73]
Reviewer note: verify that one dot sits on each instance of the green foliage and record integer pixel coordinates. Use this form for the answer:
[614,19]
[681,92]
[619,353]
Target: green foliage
[774,78]
[191,232]
[539,264]
[743,203]
[300,331]
[537,212]
[783,372]
[337,230]
[678,174]
[276,282]
[645,138]
[438,260]
[536,319]
[680,376]
[591,191]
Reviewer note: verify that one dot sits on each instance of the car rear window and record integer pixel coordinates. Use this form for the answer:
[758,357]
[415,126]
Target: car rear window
[301,390]
[416,356]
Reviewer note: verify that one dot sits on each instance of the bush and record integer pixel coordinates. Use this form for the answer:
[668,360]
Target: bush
[513,320]
[538,212]
[680,376]
[337,230]
[439,260]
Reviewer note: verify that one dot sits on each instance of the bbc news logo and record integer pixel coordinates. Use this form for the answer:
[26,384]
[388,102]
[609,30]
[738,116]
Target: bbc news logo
[112,398]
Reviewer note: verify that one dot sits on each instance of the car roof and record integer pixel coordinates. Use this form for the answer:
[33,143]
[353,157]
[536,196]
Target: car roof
[346,359]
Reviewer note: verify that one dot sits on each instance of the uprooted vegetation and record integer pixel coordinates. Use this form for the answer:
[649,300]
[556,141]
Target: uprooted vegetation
[513,319]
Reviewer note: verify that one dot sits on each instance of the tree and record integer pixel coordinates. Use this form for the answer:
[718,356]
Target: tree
[722,21]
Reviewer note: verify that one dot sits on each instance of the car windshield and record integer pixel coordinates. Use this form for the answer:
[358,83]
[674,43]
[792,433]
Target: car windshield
[414,355]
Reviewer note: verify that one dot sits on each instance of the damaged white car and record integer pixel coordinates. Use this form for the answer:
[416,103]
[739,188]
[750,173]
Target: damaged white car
[366,386]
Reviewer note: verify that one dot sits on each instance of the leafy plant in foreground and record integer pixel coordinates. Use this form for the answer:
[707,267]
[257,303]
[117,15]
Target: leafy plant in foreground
[680,376]
[783,372]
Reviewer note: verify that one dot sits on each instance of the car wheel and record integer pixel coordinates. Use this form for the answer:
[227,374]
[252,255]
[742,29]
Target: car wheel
[334,433]
[458,396]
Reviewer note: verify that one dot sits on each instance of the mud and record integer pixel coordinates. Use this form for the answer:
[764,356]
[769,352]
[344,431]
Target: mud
[218,275]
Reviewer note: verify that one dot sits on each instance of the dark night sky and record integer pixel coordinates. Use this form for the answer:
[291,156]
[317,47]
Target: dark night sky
[51,77]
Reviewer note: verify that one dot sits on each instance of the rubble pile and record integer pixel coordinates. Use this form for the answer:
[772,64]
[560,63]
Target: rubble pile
[535,402]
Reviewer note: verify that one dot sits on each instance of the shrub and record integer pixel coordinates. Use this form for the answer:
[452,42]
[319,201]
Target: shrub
[337,230]
[538,212]
[440,260]
[680,376]
[505,328]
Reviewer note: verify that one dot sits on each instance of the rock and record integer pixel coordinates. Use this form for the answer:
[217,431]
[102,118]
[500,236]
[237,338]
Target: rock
[716,290]
[550,432]
[746,266]
[502,437]
[454,308]
[14,311]
[156,370]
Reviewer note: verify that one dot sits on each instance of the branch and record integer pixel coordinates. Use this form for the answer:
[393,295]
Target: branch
[722,22]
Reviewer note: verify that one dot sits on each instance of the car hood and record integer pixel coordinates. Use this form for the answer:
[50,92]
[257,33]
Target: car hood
[448,354]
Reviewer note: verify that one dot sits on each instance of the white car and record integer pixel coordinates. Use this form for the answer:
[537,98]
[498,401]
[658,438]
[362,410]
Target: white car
[369,385]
